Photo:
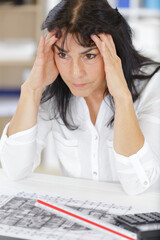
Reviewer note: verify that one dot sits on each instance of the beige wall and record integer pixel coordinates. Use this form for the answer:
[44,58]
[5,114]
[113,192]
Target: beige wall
[3,122]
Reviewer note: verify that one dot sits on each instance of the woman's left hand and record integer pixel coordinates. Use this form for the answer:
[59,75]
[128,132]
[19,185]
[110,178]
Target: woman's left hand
[116,82]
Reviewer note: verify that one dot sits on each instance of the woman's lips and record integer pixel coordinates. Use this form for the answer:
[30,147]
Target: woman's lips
[80,85]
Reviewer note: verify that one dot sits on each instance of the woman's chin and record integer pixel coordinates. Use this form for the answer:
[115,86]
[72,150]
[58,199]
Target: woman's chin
[79,94]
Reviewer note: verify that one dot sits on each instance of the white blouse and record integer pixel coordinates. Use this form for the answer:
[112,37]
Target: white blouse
[88,152]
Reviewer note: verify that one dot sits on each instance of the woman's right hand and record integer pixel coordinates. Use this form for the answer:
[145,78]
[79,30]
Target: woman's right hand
[44,71]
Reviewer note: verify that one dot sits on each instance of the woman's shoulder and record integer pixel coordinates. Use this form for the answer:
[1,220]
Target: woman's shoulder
[151,80]
[154,82]
[151,89]
[45,109]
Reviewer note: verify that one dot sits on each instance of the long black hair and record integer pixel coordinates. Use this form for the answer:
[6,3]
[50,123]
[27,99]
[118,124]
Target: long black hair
[82,18]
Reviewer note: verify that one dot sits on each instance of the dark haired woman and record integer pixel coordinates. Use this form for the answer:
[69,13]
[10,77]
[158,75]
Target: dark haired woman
[99,97]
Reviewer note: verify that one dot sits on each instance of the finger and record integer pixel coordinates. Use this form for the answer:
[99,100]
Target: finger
[112,43]
[107,38]
[49,46]
[50,34]
[104,39]
[40,50]
[101,46]
[108,59]
[51,41]
[97,41]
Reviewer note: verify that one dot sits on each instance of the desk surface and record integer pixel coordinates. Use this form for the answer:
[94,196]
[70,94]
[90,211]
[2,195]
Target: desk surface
[84,189]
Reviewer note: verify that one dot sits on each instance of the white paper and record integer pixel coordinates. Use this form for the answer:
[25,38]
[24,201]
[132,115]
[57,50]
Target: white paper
[19,217]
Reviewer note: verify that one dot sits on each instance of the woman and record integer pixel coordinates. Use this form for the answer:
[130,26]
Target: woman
[99,97]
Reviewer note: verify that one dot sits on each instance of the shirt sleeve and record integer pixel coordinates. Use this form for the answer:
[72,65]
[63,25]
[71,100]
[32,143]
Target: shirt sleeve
[20,153]
[141,170]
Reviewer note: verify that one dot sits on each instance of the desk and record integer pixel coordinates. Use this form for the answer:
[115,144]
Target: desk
[85,189]
[48,186]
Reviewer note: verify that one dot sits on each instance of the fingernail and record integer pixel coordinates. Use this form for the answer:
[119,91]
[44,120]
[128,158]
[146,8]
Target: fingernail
[94,36]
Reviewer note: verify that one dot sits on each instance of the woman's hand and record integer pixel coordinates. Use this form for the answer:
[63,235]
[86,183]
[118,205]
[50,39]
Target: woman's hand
[116,82]
[44,71]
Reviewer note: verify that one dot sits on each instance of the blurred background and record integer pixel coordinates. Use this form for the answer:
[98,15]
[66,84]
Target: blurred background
[20,22]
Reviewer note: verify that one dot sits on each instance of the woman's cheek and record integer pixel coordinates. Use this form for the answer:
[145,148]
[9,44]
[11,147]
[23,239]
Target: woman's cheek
[58,63]
[63,69]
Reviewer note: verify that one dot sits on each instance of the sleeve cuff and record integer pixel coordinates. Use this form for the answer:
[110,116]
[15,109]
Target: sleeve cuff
[22,137]
[134,164]
[123,159]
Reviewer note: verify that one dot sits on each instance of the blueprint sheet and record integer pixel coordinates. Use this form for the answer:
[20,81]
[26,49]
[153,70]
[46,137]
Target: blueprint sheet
[20,218]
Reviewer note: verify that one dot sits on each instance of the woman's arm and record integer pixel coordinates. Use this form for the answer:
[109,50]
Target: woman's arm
[43,73]
[27,110]
[128,137]
[20,153]
[137,155]
[22,141]
[142,169]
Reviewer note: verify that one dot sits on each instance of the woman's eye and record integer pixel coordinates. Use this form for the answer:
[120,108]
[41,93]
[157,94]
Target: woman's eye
[90,56]
[62,55]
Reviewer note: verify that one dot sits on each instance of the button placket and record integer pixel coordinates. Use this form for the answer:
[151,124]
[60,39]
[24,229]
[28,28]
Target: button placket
[95,156]
[95,174]
[94,150]
[95,137]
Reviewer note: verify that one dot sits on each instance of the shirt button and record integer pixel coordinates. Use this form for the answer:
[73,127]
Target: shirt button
[95,173]
[95,137]
[145,183]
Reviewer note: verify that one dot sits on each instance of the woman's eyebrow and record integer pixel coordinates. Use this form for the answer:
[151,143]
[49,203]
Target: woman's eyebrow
[65,51]
[88,50]
[60,49]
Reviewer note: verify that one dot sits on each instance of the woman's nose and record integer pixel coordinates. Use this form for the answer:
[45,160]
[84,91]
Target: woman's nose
[78,70]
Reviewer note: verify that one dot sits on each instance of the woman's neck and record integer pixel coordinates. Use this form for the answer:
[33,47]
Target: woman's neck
[94,103]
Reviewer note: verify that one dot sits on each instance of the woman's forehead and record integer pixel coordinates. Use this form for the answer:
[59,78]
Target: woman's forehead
[70,41]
